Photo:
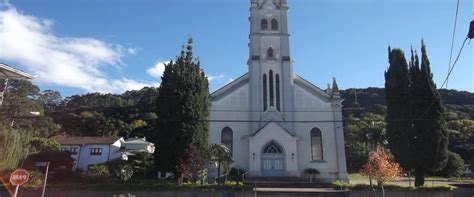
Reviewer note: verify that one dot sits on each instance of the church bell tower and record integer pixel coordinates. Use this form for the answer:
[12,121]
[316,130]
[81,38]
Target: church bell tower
[270,64]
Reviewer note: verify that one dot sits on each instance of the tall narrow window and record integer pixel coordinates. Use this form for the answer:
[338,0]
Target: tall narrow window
[265,99]
[274,24]
[277,82]
[227,138]
[263,24]
[270,78]
[316,144]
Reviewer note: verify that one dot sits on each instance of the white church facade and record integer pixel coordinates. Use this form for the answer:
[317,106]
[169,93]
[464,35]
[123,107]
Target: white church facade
[274,122]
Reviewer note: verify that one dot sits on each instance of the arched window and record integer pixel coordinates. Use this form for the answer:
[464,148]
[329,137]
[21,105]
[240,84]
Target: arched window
[265,99]
[272,148]
[271,88]
[274,24]
[316,144]
[277,82]
[263,24]
[270,54]
[227,138]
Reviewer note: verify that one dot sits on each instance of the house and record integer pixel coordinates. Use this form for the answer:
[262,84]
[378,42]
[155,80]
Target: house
[139,145]
[274,122]
[88,151]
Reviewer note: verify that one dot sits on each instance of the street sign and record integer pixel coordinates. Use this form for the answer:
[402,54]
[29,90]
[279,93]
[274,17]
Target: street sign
[19,177]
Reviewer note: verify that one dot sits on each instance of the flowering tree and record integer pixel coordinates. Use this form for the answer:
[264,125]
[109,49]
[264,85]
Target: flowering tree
[380,167]
[192,166]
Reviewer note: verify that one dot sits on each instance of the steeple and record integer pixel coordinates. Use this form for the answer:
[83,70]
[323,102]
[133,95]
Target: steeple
[270,66]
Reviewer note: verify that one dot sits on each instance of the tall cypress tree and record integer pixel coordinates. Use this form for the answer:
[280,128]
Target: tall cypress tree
[416,125]
[397,97]
[182,109]
[429,126]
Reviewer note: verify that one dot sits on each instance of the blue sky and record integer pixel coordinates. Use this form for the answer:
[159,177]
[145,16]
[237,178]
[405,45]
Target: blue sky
[81,46]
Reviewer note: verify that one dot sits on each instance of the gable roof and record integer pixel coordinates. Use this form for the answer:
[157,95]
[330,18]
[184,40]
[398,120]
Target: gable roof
[316,91]
[66,140]
[12,73]
[230,87]
[137,141]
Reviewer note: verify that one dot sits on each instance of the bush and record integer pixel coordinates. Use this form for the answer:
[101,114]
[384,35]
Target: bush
[455,166]
[235,174]
[98,173]
[35,180]
[341,185]
[121,170]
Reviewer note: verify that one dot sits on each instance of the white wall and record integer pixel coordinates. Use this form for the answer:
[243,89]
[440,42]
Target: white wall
[84,158]
[233,106]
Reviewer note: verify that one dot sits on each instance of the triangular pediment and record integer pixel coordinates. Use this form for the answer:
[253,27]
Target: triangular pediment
[273,129]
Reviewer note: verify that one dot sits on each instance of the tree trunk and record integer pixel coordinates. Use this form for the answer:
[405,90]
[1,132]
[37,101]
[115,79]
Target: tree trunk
[419,177]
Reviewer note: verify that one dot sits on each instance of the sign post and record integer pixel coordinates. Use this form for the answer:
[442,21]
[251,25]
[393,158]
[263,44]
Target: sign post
[45,175]
[19,177]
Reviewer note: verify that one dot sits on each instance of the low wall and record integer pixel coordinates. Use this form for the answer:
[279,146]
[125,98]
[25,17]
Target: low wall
[133,193]
[401,194]
[222,194]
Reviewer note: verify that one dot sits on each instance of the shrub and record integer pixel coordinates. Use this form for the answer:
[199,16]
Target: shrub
[340,185]
[235,174]
[35,180]
[455,166]
[121,170]
[98,173]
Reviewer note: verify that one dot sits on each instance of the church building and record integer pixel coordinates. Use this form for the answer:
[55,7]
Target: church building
[274,122]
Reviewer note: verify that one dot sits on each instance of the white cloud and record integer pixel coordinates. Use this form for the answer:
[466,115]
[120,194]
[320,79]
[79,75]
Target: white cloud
[158,69]
[64,61]
[216,77]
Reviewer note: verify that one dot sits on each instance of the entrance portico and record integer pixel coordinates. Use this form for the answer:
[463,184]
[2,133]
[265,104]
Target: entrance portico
[273,152]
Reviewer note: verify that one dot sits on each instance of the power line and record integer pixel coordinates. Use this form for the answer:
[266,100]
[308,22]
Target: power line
[452,41]
[447,78]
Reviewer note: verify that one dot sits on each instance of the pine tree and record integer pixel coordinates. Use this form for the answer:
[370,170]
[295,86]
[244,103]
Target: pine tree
[182,105]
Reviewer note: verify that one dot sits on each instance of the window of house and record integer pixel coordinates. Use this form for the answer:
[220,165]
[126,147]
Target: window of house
[277,82]
[265,99]
[64,149]
[73,151]
[227,138]
[271,88]
[96,151]
[263,24]
[274,24]
[316,144]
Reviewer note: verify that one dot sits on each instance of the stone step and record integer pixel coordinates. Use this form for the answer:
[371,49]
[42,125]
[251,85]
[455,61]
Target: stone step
[315,192]
[284,182]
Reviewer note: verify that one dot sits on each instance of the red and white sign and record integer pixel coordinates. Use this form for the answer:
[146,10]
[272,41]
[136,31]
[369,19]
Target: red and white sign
[19,177]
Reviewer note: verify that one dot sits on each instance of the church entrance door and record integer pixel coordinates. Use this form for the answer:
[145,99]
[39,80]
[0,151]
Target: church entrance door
[273,160]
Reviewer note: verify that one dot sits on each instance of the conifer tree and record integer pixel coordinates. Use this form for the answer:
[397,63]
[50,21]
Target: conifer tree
[416,125]
[182,107]
[397,96]
[429,125]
